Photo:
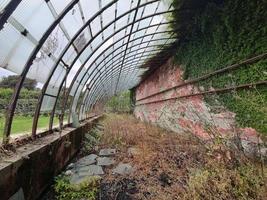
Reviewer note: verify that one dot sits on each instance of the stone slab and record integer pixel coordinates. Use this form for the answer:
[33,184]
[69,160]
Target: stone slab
[87,160]
[123,169]
[85,172]
[107,152]
[105,161]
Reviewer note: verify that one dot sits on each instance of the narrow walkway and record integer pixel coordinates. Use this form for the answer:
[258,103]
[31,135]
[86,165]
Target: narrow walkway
[124,159]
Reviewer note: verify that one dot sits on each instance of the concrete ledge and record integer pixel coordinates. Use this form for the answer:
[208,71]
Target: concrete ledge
[34,166]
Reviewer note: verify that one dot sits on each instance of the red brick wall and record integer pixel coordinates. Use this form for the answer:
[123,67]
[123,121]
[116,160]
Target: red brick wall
[191,114]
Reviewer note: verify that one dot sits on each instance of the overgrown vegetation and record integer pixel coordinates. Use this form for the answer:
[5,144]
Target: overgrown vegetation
[171,166]
[218,182]
[217,33]
[120,103]
[86,190]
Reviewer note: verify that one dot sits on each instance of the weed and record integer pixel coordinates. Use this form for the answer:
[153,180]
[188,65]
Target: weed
[218,182]
[180,166]
[65,190]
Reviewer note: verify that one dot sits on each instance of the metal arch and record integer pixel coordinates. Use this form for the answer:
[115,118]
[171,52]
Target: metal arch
[40,100]
[98,90]
[114,43]
[111,37]
[98,85]
[96,98]
[110,71]
[13,102]
[125,70]
[167,43]
[140,42]
[122,51]
[107,73]
[53,110]
[118,59]
[118,54]
[124,45]
[51,28]
[101,78]
[127,44]
[109,80]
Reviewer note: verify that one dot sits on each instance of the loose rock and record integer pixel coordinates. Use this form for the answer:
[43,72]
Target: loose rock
[87,160]
[107,152]
[105,161]
[123,169]
[90,170]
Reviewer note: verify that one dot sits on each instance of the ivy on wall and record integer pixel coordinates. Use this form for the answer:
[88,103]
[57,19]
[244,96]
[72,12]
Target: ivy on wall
[220,33]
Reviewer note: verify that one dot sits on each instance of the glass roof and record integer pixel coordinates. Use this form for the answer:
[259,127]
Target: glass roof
[80,52]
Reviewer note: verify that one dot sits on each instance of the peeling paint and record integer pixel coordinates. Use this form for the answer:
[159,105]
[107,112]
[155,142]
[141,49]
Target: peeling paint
[192,114]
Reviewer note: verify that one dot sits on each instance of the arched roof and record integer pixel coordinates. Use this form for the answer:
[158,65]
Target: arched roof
[79,51]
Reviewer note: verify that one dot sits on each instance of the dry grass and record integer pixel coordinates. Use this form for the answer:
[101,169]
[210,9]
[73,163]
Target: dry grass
[172,166]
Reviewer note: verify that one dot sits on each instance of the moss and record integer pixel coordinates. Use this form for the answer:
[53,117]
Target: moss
[85,190]
[223,33]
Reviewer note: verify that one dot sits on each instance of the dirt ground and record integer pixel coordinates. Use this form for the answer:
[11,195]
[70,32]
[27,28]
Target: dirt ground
[171,166]
[168,166]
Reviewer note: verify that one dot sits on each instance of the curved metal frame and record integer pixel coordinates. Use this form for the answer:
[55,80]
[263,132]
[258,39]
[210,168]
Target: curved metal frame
[97,77]
[107,75]
[133,59]
[38,108]
[121,29]
[88,43]
[14,99]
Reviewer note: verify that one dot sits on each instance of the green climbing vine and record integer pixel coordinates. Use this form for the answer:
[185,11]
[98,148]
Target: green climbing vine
[216,34]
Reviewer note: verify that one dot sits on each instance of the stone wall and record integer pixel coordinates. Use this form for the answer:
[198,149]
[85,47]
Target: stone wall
[184,115]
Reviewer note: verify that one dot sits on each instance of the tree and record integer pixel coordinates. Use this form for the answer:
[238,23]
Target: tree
[11,81]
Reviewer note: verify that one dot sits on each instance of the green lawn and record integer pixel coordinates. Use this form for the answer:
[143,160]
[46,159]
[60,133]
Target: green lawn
[23,124]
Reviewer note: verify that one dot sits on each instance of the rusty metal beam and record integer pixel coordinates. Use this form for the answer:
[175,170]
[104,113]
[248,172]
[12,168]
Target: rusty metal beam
[216,91]
[216,72]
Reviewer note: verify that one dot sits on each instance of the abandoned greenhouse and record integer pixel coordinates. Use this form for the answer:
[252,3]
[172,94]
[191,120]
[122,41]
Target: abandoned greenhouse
[133,99]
